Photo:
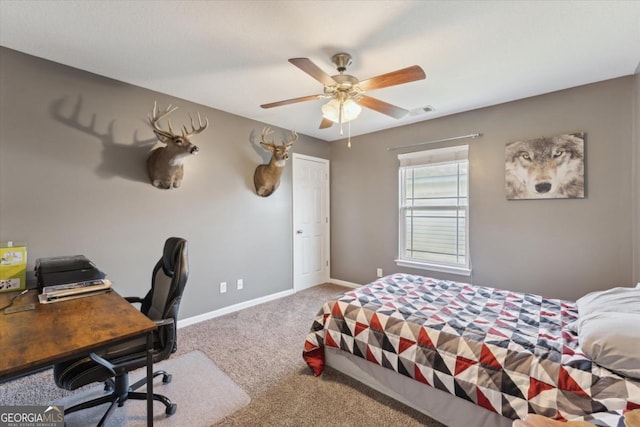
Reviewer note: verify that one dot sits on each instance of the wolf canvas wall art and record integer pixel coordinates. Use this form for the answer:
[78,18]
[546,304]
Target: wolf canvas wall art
[545,168]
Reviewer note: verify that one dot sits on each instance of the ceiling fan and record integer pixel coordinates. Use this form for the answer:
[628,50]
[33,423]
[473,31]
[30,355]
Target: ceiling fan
[347,92]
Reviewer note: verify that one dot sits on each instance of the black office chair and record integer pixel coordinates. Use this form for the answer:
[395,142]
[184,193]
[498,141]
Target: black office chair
[113,365]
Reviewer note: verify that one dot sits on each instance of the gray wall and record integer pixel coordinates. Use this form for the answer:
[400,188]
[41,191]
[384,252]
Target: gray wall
[69,187]
[559,248]
[76,184]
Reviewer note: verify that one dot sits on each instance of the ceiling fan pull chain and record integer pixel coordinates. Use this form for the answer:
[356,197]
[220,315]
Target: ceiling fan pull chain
[349,139]
[340,114]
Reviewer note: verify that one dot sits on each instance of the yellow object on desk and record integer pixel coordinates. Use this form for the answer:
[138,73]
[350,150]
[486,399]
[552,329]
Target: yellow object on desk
[13,267]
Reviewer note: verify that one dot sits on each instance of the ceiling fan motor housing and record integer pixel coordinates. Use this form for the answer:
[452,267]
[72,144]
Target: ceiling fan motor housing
[344,83]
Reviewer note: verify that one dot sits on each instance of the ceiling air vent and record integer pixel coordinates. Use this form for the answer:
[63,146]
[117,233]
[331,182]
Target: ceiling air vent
[421,110]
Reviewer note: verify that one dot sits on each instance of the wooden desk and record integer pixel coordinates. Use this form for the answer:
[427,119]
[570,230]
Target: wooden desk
[35,339]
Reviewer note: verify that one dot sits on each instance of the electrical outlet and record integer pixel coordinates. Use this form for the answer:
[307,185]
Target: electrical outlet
[379,272]
[239,284]
[223,287]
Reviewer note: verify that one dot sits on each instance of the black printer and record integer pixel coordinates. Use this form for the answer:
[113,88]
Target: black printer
[65,269]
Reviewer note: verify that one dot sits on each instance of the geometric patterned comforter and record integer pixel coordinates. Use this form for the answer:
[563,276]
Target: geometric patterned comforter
[511,353]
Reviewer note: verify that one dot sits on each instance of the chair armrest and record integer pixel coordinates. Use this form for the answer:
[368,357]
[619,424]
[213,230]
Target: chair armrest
[115,369]
[134,299]
[164,322]
[104,362]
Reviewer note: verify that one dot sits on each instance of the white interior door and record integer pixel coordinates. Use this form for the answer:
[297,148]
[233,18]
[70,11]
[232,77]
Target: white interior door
[310,221]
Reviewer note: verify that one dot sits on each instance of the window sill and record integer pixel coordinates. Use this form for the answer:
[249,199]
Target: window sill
[461,271]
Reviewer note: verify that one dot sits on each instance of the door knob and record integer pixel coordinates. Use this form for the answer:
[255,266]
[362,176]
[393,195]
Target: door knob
[298,231]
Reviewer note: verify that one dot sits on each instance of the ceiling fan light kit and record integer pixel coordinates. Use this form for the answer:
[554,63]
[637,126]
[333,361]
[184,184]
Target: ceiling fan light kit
[340,112]
[347,92]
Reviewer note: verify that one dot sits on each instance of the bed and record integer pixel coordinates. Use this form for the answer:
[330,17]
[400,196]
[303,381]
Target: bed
[470,355]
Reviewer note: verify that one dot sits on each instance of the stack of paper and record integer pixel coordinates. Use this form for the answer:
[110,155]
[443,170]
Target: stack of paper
[74,290]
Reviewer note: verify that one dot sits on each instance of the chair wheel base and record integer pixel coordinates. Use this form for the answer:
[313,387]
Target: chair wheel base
[171,409]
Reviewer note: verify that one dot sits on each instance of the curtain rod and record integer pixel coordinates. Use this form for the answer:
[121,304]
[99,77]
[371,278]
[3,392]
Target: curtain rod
[471,135]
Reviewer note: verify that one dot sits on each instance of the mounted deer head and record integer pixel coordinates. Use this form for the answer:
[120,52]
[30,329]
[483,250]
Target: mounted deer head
[164,164]
[267,177]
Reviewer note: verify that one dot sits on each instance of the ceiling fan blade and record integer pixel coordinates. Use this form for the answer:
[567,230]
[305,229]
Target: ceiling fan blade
[313,70]
[291,101]
[393,78]
[325,123]
[382,107]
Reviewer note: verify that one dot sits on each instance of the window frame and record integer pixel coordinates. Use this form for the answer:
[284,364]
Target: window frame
[430,157]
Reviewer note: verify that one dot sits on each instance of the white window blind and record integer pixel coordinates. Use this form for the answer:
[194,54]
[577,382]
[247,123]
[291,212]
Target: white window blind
[434,210]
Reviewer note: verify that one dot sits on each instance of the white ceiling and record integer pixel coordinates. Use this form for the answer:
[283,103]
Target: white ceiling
[232,55]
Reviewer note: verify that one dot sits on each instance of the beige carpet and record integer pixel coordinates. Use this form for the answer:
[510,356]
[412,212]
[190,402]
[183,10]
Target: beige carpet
[203,393]
[332,399]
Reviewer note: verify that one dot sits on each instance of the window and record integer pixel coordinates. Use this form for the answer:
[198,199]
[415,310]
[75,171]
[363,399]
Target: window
[434,210]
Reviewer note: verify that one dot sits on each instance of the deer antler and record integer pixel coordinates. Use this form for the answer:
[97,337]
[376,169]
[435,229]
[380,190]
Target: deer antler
[156,116]
[154,119]
[267,131]
[292,139]
[201,126]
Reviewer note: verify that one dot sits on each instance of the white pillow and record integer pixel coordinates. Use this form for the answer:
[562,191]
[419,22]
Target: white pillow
[608,328]
[620,300]
[626,300]
[612,340]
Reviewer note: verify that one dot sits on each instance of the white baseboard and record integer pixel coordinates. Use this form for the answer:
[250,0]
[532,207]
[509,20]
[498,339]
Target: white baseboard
[246,304]
[344,283]
[232,308]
